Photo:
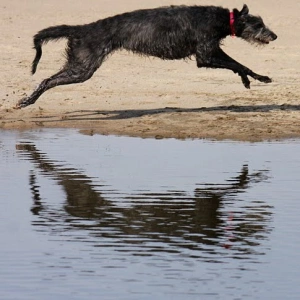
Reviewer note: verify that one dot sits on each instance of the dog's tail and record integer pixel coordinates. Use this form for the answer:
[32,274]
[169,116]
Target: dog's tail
[45,35]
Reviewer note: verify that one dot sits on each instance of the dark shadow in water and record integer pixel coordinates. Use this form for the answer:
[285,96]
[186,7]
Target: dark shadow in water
[173,219]
[85,115]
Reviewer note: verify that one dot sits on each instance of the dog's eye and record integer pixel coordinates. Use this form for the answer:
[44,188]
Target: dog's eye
[258,25]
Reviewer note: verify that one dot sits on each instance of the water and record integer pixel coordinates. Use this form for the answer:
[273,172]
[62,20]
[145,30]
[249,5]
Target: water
[103,217]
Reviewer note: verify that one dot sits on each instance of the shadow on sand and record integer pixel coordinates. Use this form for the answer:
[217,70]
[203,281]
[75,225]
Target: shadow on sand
[85,115]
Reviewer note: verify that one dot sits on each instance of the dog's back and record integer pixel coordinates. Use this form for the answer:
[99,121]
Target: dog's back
[167,32]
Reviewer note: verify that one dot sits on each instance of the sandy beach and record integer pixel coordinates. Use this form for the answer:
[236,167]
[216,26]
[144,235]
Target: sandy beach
[145,96]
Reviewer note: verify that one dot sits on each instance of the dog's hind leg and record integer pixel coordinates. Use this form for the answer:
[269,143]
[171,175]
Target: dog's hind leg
[81,64]
[68,75]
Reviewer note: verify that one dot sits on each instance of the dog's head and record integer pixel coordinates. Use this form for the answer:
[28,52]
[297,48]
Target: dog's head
[252,28]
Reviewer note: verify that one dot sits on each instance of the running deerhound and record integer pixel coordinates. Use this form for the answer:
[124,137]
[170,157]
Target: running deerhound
[173,32]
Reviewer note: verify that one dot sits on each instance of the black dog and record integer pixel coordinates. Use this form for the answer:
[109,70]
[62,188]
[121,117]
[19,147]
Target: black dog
[173,32]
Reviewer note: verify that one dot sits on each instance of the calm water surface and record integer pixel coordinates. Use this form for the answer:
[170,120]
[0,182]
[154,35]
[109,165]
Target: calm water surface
[103,217]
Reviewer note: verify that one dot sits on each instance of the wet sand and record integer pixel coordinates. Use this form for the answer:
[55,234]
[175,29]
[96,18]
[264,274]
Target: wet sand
[147,97]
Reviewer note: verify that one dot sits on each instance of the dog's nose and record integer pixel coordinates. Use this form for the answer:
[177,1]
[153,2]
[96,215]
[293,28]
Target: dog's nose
[274,36]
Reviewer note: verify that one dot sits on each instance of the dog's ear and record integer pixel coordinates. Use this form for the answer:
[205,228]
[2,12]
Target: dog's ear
[244,11]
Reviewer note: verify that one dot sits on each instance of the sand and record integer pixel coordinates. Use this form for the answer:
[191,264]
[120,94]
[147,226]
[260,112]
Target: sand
[147,97]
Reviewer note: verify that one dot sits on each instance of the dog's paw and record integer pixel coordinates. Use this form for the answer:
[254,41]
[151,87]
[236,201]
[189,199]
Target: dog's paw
[265,79]
[17,106]
[22,103]
[246,82]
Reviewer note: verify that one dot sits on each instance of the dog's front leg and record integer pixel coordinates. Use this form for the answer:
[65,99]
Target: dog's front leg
[220,59]
[228,60]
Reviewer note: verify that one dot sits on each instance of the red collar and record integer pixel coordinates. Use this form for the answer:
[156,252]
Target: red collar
[232,24]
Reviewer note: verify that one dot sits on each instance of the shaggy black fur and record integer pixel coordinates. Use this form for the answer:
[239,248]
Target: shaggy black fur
[173,32]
